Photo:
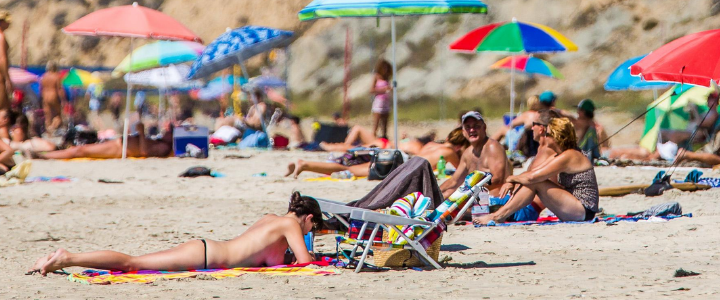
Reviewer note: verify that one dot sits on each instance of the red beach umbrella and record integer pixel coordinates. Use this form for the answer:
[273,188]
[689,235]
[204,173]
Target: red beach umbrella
[692,59]
[131,21]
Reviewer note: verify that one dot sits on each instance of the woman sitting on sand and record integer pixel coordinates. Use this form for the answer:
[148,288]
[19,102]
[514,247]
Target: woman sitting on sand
[357,137]
[138,146]
[574,198]
[451,151]
[263,244]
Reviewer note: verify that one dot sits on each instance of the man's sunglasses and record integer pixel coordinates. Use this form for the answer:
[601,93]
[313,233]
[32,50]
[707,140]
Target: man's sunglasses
[538,124]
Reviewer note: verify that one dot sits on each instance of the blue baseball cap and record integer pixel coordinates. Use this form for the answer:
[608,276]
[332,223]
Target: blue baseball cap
[547,97]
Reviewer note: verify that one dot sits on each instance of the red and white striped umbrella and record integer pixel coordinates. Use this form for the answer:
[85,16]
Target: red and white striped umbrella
[19,76]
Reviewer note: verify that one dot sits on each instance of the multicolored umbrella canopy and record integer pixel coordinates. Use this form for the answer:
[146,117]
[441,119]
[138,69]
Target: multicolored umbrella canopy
[379,8]
[159,54]
[513,37]
[671,113]
[621,80]
[692,59]
[20,77]
[389,8]
[77,78]
[529,65]
[235,46]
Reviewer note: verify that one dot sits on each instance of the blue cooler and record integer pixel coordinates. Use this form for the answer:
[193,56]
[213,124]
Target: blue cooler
[198,137]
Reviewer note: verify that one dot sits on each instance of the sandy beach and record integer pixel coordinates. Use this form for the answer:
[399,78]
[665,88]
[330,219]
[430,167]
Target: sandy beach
[152,209]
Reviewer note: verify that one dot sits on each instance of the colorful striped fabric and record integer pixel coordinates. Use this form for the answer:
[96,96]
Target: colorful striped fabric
[529,65]
[382,8]
[412,206]
[110,277]
[514,37]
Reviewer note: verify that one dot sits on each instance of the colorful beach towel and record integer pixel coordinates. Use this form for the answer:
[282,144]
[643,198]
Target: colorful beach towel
[328,178]
[608,220]
[148,276]
[49,179]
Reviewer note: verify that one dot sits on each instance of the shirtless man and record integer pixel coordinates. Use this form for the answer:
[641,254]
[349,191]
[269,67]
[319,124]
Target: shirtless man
[451,151]
[53,97]
[262,245]
[138,146]
[484,154]
[6,86]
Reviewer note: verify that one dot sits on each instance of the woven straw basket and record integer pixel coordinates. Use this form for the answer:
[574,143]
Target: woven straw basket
[399,258]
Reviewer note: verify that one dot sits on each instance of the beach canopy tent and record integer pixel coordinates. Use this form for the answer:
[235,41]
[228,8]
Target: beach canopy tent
[133,21]
[389,8]
[672,112]
[513,38]
[621,79]
[160,54]
[690,59]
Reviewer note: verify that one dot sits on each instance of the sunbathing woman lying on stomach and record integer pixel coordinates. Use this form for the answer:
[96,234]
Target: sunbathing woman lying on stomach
[574,198]
[451,151]
[138,146]
[358,136]
[263,244]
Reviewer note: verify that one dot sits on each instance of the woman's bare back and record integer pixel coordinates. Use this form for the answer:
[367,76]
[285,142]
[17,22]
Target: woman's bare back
[263,244]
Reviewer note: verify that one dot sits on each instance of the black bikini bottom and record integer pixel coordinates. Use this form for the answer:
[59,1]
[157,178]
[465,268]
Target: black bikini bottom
[205,248]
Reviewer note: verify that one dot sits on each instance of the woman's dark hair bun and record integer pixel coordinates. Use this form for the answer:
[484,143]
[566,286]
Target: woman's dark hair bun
[304,205]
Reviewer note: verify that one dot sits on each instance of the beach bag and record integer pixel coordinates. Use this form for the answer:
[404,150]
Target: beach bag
[383,162]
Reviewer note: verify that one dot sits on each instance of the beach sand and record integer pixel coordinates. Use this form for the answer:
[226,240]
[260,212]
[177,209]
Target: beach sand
[153,210]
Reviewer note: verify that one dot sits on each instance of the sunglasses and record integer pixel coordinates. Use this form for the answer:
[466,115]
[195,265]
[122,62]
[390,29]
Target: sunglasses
[538,124]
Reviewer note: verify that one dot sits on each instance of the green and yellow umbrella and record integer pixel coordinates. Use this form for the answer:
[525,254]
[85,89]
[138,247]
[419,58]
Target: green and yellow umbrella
[76,78]
[671,113]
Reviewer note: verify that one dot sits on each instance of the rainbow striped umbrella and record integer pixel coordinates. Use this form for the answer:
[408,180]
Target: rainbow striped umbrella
[513,37]
[77,78]
[528,65]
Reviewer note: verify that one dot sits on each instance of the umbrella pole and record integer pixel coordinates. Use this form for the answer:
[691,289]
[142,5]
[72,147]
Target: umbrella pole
[127,104]
[512,86]
[252,95]
[394,81]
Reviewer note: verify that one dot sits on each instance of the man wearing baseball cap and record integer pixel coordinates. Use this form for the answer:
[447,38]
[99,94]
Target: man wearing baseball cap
[6,86]
[484,154]
[589,132]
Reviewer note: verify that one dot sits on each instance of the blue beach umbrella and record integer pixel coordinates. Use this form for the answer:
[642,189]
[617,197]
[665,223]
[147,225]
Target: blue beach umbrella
[389,8]
[235,46]
[621,80]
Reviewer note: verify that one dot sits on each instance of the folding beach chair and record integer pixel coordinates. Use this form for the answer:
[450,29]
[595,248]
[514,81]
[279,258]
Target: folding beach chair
[433,226]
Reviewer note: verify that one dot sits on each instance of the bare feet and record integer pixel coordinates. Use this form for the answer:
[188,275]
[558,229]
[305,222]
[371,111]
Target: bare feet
[299,167]
[56,262]
[39,263]
[484,220]
[291,169]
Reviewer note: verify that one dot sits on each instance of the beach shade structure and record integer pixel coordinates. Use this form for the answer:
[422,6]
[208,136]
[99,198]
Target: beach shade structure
[21,77]
[621,80]
[671,112]
[235,46]
[160,54]
[262,82]
[217,87]
[133,21]
[77,78]
[172,76]
[529,65]
[690,59]
[513,38]
[318,9]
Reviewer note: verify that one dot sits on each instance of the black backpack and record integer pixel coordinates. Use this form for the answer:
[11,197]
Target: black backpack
[383,162]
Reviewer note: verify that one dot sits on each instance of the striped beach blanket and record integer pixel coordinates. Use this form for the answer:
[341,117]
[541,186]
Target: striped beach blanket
[149,276]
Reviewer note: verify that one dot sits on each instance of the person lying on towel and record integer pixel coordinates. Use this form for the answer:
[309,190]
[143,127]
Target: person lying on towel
[573,197]
[263,244]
